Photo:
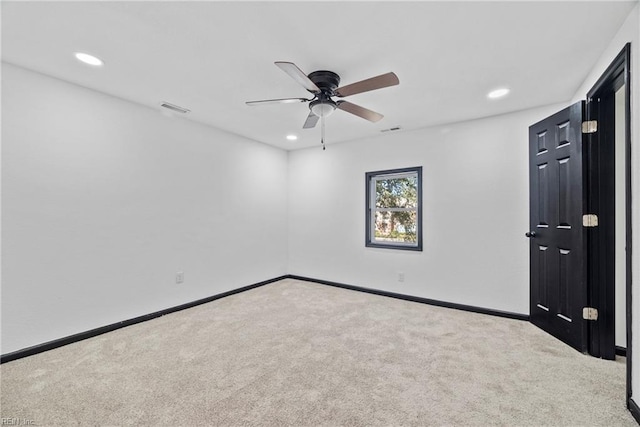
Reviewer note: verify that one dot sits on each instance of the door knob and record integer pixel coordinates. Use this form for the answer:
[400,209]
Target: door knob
[530,234]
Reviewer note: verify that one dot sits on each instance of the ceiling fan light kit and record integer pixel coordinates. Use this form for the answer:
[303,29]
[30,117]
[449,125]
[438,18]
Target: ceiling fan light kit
[322,108]
[325,85]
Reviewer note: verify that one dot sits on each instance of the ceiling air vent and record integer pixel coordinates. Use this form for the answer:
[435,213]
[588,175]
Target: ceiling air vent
[175,108]
[395,128]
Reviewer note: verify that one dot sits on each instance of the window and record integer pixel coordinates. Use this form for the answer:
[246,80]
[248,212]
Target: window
[394,209]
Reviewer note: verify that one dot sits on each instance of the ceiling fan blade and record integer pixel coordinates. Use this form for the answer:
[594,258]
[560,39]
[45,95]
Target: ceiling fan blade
[298,75]
[378,82]
[277,101]
[359,111]
[311,121]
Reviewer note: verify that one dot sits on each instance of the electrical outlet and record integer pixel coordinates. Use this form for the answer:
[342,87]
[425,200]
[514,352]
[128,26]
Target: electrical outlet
[179,277]
[400,276]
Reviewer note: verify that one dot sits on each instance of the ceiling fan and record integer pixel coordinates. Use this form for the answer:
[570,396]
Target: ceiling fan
[324,85]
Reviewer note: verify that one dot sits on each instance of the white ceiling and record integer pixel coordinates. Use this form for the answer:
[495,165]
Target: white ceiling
[211,57]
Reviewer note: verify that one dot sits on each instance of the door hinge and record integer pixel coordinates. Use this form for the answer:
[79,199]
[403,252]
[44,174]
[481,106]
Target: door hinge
[590,126]
[590,220]
[590,313]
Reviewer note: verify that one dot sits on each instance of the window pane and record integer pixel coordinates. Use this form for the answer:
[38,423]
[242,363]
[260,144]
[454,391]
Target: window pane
[397,192]
[393,209]
[396,227]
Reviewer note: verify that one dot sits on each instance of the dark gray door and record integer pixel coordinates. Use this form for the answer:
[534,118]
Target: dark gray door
[558,283]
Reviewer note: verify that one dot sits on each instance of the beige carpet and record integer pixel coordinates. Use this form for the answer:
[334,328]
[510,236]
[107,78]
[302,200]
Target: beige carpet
[303,354]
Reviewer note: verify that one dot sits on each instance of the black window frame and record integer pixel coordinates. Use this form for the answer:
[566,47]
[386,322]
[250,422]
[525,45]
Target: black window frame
[369,239]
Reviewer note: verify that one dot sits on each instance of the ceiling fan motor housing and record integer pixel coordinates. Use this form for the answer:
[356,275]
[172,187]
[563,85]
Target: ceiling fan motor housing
[327,81]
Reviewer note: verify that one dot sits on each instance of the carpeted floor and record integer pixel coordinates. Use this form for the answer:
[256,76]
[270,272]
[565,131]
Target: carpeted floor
[304,354]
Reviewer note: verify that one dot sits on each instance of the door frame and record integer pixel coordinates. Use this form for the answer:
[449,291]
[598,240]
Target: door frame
[600,175]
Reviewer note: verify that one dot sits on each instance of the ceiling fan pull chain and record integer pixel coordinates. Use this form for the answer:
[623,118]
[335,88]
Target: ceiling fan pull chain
[322,132]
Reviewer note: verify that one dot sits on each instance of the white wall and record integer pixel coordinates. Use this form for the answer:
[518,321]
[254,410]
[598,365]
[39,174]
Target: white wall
[629,32]
[475,209]
[104,200]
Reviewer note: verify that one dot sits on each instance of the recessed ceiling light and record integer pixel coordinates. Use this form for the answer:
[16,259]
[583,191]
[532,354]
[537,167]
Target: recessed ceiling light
[498,93]
[292,137]
[89,59]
